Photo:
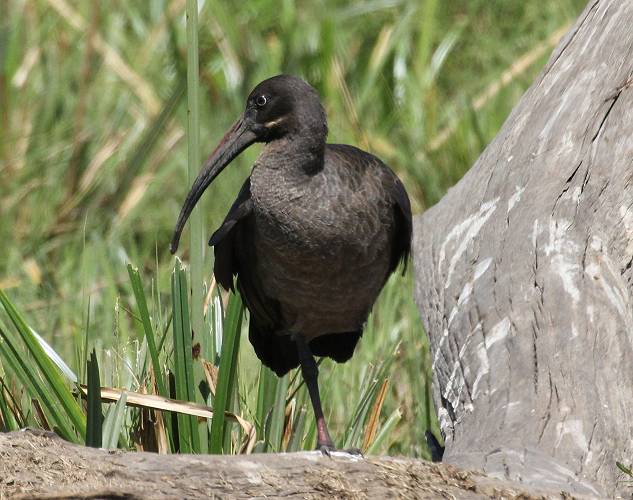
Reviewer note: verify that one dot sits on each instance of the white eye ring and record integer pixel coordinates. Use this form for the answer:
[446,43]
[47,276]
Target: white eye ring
[261,100]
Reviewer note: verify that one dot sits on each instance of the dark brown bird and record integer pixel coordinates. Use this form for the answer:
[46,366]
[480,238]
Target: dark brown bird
[313,235]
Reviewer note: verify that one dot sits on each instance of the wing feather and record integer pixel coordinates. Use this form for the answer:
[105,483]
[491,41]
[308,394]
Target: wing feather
[235,255]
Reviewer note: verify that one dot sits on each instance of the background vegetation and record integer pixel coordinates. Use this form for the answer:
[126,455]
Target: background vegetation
[93,161]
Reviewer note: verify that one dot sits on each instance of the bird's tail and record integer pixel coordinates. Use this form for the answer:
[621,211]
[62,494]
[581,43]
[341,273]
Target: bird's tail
[338,346]
[277,352]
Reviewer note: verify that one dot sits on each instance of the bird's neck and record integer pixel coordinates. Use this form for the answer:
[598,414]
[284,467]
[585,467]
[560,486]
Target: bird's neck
[297,154]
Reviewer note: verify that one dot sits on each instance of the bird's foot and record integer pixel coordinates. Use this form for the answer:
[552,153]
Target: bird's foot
[328,448]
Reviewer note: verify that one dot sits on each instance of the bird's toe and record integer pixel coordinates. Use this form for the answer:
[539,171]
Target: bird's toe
[326,448]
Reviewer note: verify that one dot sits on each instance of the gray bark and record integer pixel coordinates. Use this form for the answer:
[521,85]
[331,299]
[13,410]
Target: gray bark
[524,277]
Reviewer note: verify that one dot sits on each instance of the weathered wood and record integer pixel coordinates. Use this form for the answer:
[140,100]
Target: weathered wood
[524,276]
[36,464]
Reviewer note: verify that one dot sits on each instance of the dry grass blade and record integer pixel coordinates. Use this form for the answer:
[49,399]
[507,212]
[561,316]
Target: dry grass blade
[158,31]
[211,374]
[517,68]
[248,443]
[112,59]
[32,270]
[374,415]
[381,49]
[107,150]
[90,175]
[339,76]
[11,416]
[80,126]
[138,400]
[209,298]
[40,416]
[24,125]
[135,194]
[31,58]
[289,419]
[10,282]
[233,68]
[142,182]
[162,441]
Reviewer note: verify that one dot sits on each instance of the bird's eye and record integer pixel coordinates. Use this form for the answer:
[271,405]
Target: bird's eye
[261,101]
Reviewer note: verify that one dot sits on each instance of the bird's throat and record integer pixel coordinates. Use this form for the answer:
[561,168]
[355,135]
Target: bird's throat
[300,154]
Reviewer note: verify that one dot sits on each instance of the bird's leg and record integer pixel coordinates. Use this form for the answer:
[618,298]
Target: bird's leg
[310,372]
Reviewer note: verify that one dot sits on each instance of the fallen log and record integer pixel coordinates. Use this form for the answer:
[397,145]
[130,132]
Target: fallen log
[37,464]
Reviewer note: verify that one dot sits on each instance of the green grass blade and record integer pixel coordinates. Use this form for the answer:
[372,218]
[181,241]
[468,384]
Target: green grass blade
[428,17]
[197,234]
[355,426]
[265,397]
[311,434]
[17,364]
[47,368]
[278,416]
[113,423]
[233,403]
[627,470]
[83,362]
[150,337]
[183,362]
[7,419]
[55,358]
[216,324]
[95,415]
[296,439]
[226,376]
[372,383]
[227,437]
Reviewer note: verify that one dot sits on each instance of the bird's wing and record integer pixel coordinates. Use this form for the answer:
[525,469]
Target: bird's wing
[357,164]
[404,226]
[235,255]
[242,207]
[226,265]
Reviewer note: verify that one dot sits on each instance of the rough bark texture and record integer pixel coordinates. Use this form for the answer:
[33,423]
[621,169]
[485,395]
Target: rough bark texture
[41,465]
[524,277]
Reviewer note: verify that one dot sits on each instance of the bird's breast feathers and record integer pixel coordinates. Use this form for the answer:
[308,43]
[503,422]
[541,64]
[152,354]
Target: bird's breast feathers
[317,210]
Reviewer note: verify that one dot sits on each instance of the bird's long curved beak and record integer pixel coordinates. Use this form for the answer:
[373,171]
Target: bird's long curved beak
[236,140]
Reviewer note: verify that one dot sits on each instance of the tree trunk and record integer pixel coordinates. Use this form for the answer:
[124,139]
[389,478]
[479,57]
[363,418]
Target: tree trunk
[524,277]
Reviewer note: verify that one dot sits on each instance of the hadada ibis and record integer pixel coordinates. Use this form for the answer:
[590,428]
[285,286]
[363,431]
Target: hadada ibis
[312,237]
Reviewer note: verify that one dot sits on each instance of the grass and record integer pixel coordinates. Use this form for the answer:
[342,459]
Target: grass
[95,140]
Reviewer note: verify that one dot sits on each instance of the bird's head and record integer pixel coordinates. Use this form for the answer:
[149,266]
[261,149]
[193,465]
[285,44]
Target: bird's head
[281,107]
[285,105]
